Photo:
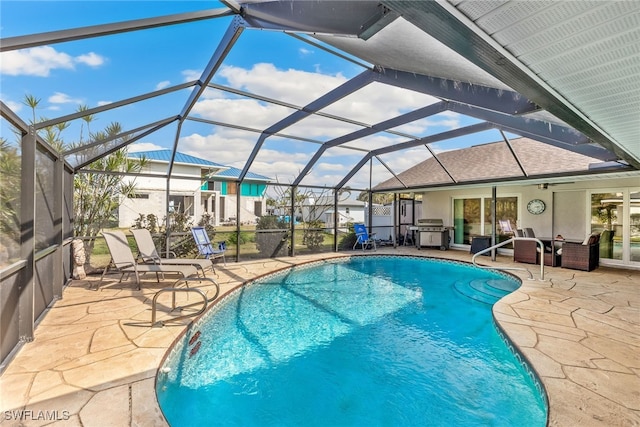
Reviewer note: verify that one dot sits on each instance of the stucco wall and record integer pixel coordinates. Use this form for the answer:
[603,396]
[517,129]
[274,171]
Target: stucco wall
[569,208]
[130,209]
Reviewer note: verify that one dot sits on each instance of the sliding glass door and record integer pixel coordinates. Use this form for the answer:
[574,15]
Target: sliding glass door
[634,226]
[616,216]
[467,220]
[472,217]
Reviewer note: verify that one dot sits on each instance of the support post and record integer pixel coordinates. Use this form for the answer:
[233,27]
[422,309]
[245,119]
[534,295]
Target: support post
[167,225]
[58,198]
[396,220]
[238,204]
[335,220]
[27,236]
[493,222]
[370,213]
[292,221]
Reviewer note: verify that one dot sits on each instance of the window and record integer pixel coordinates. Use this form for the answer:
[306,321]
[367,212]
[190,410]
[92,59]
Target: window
[181,204]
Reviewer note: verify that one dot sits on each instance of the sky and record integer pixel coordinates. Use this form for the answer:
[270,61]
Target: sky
[100,70]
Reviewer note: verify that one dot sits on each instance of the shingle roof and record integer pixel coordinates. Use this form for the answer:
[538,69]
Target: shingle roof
[490,161]
[226,172]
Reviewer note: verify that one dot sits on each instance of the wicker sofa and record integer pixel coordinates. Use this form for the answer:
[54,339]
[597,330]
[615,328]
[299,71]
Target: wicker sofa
[582,256]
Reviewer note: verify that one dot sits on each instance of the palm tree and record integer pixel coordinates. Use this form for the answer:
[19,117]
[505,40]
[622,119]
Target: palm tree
[31,102]
[9,202]
[96,195]
[87,119]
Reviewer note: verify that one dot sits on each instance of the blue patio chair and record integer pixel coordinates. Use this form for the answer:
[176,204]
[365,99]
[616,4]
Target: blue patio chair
[205,247]
[363,238]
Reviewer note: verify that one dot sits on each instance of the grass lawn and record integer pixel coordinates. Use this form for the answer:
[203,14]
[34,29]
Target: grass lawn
[248,249]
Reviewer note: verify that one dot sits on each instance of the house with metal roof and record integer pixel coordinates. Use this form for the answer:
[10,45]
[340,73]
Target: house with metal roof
[197,187]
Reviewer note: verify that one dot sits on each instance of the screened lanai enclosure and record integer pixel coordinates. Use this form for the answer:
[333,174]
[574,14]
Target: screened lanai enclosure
[289,103]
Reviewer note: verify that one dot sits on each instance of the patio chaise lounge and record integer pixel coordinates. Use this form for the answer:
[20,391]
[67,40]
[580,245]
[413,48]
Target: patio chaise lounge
[148,253]
[123,261]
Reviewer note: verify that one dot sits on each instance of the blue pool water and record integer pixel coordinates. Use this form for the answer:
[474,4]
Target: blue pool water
[370,341]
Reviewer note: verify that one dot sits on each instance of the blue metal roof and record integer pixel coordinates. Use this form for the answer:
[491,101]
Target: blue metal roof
[235,173]
[165,156]
[228,173]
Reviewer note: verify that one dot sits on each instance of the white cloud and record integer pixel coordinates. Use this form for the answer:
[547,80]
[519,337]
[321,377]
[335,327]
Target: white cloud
[15,106]
[401,161]
[144,146]
[269,155]
[330,167]
[294,86]
[232,148]
[237,111]
[63,98]
[190,75]
[163,84]
[101,103]
[40,61]
[372,104]
[211,93]
[447,119]
[37,61]
[91,59]
[216,147]
[283,172]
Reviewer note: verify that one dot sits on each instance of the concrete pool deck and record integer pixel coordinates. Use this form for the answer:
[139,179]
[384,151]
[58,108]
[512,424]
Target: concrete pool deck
[94,357]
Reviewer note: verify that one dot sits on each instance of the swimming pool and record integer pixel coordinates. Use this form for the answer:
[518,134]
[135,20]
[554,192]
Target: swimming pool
[361,341]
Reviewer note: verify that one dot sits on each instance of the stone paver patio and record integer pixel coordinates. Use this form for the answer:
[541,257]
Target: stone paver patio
[94,357]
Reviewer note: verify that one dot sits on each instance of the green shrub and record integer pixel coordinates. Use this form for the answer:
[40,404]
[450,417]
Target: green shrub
[313,236]
[347,240]
[245,237]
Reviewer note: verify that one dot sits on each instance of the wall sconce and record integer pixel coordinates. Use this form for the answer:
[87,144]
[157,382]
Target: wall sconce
[543,186]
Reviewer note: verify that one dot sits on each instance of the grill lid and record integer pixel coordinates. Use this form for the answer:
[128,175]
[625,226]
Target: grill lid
[430,222]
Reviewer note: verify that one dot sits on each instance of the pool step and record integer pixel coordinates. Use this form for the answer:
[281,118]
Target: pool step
[507,286]
[485,291]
